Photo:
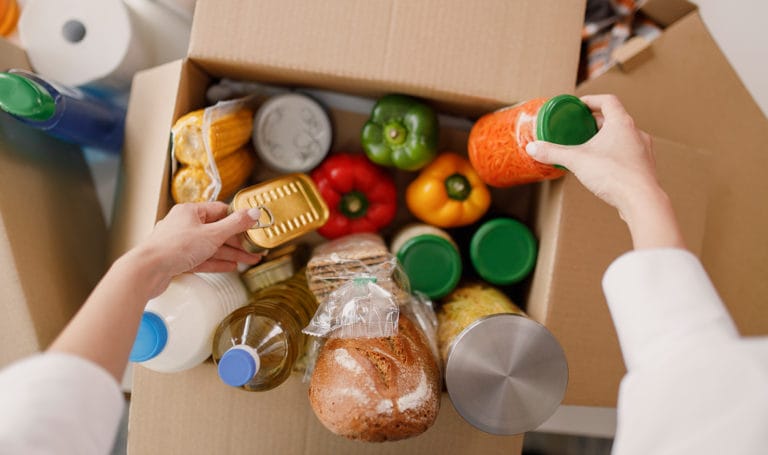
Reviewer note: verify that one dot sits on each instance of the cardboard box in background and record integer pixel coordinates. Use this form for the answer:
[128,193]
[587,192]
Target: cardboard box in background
[682,88]
[52,232]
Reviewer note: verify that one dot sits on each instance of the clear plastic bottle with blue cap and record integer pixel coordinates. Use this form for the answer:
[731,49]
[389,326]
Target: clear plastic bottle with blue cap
[257,346]
[68,113]
[177,326]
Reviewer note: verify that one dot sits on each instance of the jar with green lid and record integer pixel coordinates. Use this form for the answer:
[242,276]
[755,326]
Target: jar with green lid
[503,251]
[430,258]
[497,141]
[505,373]
[256,347]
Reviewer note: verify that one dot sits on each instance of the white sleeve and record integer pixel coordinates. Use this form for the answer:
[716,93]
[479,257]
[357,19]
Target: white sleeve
[58,403]
[692,384]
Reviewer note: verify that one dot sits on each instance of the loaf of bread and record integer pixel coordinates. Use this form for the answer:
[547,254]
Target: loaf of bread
[377,389]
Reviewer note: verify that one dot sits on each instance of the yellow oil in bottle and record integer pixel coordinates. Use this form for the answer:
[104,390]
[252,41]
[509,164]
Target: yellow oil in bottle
[257,346]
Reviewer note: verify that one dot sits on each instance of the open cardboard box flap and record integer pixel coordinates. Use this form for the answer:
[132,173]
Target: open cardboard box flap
[447,50]
[52,231]
[687,92]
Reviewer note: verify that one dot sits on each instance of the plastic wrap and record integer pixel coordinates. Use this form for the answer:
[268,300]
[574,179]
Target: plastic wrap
[362,291]
[212,149]
[360,255]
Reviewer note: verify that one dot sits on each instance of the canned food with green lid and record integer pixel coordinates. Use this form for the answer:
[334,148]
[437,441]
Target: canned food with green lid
[429,257]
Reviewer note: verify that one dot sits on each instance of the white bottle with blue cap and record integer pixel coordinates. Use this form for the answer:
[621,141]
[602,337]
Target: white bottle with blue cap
[177,326]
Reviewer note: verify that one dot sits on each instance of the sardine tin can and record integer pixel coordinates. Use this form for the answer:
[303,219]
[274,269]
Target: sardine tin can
[291,206]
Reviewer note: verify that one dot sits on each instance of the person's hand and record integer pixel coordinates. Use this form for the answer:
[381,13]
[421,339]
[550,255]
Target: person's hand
[618,166]
[198,237]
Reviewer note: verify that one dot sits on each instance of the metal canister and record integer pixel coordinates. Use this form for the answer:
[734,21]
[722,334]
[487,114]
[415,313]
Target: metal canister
[505,373]
[290,207]
[278,265]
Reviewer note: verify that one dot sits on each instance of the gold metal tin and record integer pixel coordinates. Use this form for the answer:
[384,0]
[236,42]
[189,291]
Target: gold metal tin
[291,206]
[269,273]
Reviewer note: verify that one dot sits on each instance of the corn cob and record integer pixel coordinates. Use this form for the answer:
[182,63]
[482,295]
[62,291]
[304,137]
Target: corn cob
[226,134]
[191,184]
[235,170]
[194,184]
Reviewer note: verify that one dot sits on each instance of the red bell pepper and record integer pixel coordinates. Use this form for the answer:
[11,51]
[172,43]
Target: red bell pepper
[360,196]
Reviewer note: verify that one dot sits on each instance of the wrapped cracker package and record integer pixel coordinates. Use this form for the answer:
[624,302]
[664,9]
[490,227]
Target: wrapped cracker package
[377,376]
[213,151]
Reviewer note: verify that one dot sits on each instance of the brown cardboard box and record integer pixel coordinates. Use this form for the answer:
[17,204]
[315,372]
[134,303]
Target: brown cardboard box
[52,232]
[681,88]
[451,53]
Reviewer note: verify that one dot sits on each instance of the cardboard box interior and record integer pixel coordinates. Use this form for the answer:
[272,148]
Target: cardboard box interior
[245,409]
[52,231]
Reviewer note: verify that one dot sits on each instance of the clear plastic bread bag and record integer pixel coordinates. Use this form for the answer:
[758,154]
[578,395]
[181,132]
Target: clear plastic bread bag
[362,289]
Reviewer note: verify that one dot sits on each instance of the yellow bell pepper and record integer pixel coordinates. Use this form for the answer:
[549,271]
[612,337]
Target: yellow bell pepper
[448,193]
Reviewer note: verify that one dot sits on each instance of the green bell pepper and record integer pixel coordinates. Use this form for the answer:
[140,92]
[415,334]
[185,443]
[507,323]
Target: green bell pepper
[401,132]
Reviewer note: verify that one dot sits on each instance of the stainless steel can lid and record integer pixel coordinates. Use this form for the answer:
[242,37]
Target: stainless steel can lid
[506,374]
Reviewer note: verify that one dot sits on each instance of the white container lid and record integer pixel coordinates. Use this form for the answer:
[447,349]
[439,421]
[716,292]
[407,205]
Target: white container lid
[292,133]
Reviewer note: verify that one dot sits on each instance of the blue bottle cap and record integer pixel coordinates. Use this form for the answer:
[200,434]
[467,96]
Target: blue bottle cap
[151,338]
[239,365]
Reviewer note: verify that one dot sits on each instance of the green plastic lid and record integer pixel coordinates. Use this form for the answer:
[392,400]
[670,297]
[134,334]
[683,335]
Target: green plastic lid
[24,98]
[433,264]
[503,251]
[565,120]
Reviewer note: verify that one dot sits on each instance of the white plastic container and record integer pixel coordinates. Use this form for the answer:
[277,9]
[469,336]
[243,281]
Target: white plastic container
[177,327]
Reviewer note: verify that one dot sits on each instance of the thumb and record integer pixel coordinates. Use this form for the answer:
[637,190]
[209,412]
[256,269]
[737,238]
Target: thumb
[235,223]
[549,153]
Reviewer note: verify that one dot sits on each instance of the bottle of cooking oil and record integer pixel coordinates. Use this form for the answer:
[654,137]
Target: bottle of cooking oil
[256,346]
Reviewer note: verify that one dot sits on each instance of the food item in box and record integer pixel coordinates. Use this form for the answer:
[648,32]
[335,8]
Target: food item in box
[292,133]
[360,196]
[401,132]
[198,184]
[215,131]
[448,193]
[176,328]
[497,141]
[257,346]
[503,251]
[291,206]
[377,389]
[278,265]
[334,263]
[465,305]
[429,257]
[505,373]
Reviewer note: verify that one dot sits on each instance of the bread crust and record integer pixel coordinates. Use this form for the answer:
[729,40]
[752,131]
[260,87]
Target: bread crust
[377,389]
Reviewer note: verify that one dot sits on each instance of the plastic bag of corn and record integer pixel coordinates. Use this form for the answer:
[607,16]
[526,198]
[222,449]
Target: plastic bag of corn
[212,147]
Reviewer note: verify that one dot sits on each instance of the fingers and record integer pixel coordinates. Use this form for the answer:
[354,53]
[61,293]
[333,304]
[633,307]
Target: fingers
[607,105]
[209,212]
[549,153]
[234,223]
[232,254]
